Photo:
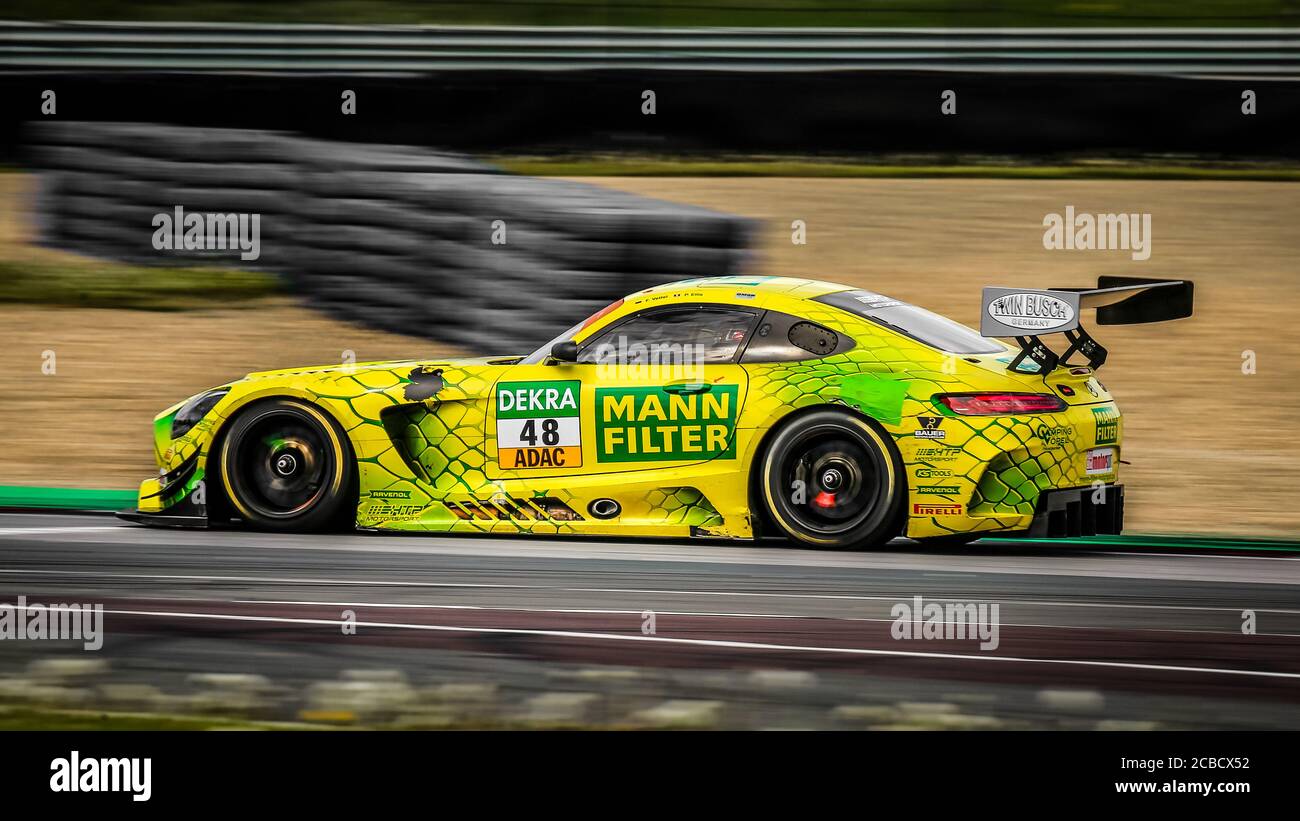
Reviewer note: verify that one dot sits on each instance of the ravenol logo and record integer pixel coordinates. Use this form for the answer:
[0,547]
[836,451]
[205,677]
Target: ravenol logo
[941,490]
[654,425]
[1107,420]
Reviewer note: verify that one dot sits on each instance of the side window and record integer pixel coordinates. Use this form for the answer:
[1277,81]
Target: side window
[784,338]
[687,334]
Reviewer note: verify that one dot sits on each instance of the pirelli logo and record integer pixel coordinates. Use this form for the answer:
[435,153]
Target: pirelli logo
[924,509]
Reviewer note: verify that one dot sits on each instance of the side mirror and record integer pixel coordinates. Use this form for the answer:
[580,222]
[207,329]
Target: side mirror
[566,351]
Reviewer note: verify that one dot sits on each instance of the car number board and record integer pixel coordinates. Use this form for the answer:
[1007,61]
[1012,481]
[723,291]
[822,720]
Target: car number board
[538,425]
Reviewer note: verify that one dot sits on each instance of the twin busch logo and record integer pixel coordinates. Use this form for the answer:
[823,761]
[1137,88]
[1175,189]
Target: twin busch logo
[1031,312]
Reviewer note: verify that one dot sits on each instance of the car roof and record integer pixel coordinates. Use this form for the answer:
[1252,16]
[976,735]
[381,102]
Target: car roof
[738,288]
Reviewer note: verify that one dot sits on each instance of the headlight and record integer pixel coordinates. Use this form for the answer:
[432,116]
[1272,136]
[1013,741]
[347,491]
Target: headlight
[194,410]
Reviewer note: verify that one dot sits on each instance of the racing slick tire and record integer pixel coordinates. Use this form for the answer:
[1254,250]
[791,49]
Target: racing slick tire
[286,465]
[831,479]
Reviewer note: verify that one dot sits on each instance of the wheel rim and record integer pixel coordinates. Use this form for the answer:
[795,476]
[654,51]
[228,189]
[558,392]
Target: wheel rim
[830,481]
[282,465]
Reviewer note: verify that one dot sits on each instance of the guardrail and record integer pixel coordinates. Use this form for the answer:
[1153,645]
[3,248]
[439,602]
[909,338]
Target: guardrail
[380,50]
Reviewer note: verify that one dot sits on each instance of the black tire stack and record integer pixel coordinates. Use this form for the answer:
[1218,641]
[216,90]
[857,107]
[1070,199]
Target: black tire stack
[395,238]
[103,183]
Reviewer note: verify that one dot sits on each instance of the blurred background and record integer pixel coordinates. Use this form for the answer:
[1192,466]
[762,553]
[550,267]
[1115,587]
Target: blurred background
[919,144]
[627,144]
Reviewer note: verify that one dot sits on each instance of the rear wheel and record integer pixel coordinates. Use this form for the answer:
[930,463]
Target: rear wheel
[830,479]
[285,465]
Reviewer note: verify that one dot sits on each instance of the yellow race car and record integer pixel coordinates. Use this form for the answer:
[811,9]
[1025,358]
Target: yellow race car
[728,407]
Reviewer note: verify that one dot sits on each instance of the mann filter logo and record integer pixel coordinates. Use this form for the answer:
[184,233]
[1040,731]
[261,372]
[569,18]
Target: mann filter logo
[1107,420]
[538,425]
[930,428]
[1038,313]
[923,509]
[654,425]
[1055,435]
[938,490]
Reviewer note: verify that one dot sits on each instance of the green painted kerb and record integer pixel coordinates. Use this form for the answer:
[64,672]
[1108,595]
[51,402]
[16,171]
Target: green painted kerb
[59,498]
[1138,542]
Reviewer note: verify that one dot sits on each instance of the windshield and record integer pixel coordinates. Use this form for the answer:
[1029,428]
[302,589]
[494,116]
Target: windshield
[538,356]
[917,323]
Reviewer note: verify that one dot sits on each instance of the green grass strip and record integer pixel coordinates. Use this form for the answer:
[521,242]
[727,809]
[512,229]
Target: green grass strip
[97,284]
[59,498]
[651,167]
[1137,542]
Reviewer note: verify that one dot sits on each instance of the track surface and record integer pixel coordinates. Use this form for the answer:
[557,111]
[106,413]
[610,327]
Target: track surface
[1153,636]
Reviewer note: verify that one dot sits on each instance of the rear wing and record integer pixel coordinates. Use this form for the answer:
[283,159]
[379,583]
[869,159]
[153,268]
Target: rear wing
[1025,314]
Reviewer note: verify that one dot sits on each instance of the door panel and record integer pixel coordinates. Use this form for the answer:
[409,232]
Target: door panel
[534,430]
[656,389]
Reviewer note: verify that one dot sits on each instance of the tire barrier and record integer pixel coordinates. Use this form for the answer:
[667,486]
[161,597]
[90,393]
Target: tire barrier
[401,239]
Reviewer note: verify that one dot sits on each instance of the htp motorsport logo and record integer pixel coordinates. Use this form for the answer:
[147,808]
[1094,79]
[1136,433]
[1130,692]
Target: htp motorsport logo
[180,231]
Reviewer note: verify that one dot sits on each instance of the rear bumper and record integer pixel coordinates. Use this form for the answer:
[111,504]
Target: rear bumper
[1083,511]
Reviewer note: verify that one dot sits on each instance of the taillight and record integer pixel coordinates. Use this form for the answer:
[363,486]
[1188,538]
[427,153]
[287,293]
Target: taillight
[1001,404]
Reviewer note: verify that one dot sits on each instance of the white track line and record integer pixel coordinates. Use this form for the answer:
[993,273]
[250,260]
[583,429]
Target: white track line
[31,531]
[634,591]
[506,608]
[734,645]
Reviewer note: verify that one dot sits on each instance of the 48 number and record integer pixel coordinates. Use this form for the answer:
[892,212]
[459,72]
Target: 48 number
[550,432]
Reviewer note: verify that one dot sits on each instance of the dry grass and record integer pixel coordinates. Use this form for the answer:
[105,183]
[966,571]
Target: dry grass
[1213,450]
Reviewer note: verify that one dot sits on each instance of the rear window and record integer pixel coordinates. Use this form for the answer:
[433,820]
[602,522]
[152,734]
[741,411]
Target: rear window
[918,323]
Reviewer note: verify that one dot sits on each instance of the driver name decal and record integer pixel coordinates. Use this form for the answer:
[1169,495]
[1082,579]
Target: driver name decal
[538,425]
[654,424]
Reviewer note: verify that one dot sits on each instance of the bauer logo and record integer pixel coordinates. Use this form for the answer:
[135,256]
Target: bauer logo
[930,428]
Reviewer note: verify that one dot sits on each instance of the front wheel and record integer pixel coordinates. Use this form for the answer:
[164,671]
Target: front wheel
[830,479]
[285,465]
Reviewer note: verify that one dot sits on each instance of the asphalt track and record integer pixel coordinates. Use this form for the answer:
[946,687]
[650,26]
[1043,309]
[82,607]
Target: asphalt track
[1131,635]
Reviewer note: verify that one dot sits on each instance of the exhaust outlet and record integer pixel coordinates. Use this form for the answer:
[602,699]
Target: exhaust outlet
[604,508]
